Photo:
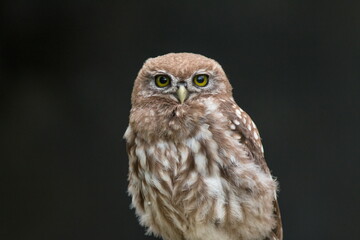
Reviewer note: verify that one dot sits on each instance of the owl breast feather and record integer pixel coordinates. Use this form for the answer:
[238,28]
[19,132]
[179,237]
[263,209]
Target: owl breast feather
[177,183]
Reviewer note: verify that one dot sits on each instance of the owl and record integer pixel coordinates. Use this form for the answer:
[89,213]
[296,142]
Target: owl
[196,162]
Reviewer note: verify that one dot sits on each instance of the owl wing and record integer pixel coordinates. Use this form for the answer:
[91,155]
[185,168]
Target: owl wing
[241,123]
[135,175]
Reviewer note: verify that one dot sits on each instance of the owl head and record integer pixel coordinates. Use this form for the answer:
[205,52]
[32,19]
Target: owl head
[178,78]
[172,93]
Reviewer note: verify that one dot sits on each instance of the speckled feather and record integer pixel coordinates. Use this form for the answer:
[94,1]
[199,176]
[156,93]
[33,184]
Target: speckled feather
[197,170]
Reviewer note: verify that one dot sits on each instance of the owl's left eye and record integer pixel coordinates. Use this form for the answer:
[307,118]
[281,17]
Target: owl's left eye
[201,80]
[162,80]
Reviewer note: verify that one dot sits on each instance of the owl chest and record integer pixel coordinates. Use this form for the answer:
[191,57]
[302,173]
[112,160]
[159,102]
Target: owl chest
[176,179]
[169,169]
[177,173]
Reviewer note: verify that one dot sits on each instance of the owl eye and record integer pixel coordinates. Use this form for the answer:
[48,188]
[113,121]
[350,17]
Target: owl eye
[201,80]
[162,80]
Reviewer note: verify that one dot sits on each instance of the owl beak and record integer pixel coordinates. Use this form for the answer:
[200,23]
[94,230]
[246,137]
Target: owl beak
[182,93]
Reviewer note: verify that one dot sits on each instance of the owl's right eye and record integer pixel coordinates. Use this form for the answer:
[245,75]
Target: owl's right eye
[162,80]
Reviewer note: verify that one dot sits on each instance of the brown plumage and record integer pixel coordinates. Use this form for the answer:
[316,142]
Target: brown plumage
[197,169]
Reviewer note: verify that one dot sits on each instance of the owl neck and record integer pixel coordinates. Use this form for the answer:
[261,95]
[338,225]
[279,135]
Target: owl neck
[167,121]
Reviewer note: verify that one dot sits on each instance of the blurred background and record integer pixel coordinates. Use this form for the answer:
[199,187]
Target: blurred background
[67,70]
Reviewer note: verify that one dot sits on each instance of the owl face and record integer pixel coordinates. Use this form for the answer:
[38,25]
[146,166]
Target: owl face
[179,78]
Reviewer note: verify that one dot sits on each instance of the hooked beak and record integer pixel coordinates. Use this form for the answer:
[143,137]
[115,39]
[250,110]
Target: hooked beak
[182,93]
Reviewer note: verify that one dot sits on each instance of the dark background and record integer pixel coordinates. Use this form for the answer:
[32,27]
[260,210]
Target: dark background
[67,70]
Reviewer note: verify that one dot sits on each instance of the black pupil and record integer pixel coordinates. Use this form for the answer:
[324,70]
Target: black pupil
[200,79]
[163,80]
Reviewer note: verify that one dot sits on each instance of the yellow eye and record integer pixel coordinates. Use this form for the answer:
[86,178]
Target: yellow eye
[201,80]
[162,80]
